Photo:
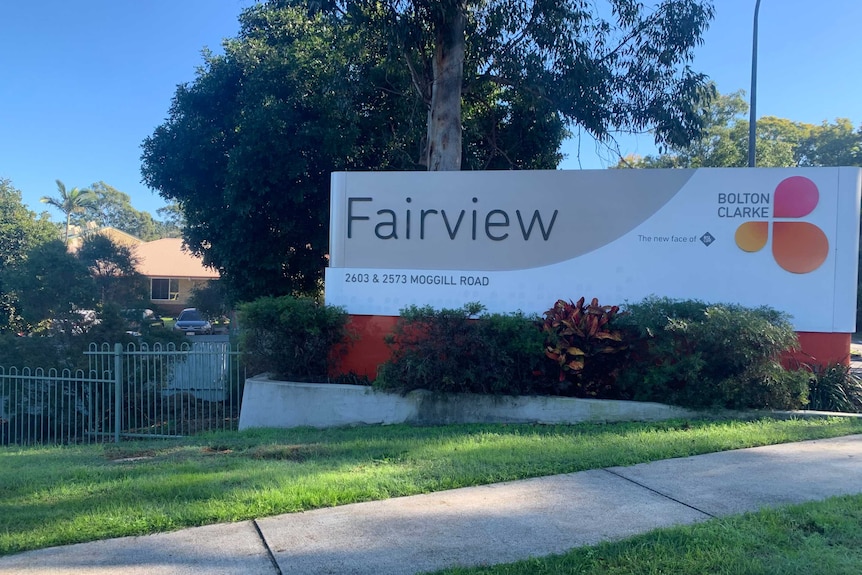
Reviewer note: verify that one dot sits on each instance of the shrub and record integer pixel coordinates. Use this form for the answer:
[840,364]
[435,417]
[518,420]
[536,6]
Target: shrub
[585,347]
[59,350]
[30,352]
[210,299]
[292,338]
[709,355]
[835,388]
[459,350]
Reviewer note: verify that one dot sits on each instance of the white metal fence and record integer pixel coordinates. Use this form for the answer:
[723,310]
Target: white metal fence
[127,392]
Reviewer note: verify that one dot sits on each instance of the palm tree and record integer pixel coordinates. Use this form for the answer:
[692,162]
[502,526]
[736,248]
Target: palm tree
[75,201]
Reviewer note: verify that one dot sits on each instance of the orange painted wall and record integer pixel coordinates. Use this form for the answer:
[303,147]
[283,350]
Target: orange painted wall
[821,349]
[370,349]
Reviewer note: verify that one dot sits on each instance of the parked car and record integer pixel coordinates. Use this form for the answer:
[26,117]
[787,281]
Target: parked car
[191,322]
[139,318]
[80,321]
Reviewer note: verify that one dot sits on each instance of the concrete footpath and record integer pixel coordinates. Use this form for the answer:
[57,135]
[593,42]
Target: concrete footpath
[496,523]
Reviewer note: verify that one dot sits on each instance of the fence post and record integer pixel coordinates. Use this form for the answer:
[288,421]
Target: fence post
[118,390]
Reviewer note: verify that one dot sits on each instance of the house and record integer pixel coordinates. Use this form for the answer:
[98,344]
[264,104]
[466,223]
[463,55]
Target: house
[119,237]
[172,272]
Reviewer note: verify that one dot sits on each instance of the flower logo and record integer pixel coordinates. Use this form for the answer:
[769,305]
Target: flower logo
[798,247]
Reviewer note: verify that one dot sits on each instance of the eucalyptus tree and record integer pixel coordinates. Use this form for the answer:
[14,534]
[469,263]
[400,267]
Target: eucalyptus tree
[603,66]
[312,87]
[248,147]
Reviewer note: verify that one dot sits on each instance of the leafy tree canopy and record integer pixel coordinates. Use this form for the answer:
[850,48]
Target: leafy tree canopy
[249,147]
[70,202]
[109,207]
[600,65]
[173,221]
[779,143]
[209,298]
[308,88]
[113,269]
[50,283]
[21,230]
[112,208]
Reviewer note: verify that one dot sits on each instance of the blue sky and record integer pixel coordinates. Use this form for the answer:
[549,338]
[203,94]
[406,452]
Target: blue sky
[83,82]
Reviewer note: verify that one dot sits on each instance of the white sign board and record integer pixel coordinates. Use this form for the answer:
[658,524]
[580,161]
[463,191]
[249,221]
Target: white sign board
[520,240]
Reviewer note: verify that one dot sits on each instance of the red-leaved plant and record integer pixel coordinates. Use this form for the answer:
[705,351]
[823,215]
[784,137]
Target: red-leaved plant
[579,338]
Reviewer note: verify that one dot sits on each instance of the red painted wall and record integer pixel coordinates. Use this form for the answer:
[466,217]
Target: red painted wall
[821,349]
[370,349]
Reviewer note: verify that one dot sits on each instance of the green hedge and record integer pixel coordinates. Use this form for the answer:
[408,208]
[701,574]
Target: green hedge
[685,352]
[682,352]
[298,339]
[691,353]
[463,350]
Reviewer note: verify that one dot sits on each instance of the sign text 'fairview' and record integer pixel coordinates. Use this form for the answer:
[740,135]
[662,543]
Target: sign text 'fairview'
[406,223]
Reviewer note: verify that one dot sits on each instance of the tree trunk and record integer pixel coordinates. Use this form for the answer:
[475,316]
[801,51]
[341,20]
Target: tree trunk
[444,115]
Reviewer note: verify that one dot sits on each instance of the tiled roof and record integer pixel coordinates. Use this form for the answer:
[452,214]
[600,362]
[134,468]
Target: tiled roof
[119,237]
[166,258]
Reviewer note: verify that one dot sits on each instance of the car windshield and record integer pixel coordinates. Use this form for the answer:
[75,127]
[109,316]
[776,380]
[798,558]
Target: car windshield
[190,315]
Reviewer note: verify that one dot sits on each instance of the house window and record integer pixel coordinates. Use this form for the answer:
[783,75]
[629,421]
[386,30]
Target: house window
[164,289]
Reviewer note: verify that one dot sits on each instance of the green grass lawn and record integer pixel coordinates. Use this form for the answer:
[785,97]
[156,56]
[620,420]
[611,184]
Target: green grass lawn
[59,495]
[809,539]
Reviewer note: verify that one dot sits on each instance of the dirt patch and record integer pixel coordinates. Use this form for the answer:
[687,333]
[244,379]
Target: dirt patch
[285,452]
[129,456]
[216,450]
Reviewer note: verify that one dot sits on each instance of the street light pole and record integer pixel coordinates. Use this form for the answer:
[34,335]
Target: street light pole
[752,119]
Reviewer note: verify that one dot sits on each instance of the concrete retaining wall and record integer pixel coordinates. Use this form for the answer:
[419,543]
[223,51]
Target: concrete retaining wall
[270,403]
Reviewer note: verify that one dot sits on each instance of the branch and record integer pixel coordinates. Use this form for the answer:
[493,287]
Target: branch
[416,78]
[634,33]
[517,39]
[503,81]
